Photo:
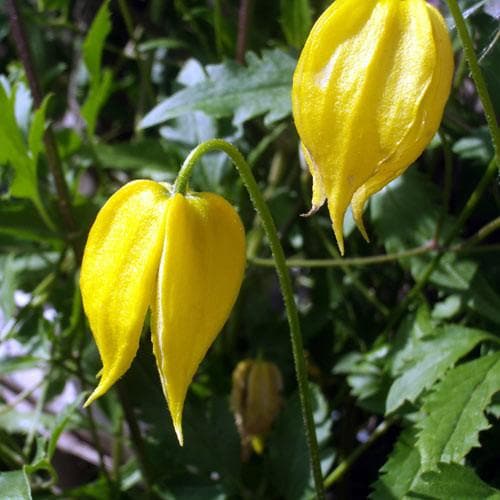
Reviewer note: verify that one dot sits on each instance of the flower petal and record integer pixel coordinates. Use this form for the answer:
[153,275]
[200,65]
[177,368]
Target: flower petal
[119,271]
[200,275]
[429,26]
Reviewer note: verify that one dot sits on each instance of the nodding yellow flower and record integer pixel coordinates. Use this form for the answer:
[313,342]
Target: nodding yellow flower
[182,256]
[255,401]
[368,95]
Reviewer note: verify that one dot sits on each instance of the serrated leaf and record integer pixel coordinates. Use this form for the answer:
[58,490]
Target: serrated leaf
[14,485]
[429,360]
[296,21]
[94,41]
[401,470]
[455,411]
[261,87]
[453,481]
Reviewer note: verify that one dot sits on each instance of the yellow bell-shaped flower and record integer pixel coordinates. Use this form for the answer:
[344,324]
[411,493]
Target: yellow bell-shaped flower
[183,256]
[368,95]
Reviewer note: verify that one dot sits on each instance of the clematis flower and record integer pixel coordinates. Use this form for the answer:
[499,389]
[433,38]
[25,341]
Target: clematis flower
[368,95]
[183,257]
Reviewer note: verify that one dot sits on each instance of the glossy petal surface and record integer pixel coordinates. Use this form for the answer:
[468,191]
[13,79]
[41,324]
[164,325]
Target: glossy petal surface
[200,275]
[368,95]
[119,272]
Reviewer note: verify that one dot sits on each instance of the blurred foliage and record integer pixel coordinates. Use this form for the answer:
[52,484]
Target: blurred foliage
[403,379]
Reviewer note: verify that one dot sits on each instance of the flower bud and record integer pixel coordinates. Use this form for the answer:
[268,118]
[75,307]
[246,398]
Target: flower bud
[368,95]
[255,402]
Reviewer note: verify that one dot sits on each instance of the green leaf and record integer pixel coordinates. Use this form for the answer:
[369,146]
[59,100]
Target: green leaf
[296,21]
[14,485]
[37,130]
[8,284]
[18,219]
[19,363]
[94,41]
[61,423]
[287,447]
[453,481]
[289,462]
[98,95]
[455,411]
[15,152]
[14,421]
[262,87]
[401,470]
[144,154]
[429,360]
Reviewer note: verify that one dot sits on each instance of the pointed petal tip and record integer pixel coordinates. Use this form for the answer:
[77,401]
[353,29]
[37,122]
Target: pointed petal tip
[100,390]
[358,204]
[312,211]
[339,236]
[178,432]
[362,229]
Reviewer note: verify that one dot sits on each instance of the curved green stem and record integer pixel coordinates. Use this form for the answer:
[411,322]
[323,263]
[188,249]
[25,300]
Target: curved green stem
[477,75]
[262,209]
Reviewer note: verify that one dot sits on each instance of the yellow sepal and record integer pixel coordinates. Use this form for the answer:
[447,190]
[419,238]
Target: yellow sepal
[368,95]
[118,274]
[200,274]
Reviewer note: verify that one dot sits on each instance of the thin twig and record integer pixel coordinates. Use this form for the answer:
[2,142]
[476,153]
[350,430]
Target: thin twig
[431,267]
[136,436]
[51,152]
[352,261]
[344,466]
[244,17]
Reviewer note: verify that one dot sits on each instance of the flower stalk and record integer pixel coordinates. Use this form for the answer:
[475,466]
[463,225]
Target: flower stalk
[262,209]
[477,76]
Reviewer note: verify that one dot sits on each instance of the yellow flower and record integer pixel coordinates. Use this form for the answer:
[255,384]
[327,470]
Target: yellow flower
[181,256]
[255,402]
[368,95]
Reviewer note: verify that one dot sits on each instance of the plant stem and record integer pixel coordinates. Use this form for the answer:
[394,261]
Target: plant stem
[51,152]
[346,261]
[481,234]
[146,91]
[244,17]
[477,75]
[284,279]
[357,283]
[463,247]
[431,267]
[346,464]
[136,437]
[447,184]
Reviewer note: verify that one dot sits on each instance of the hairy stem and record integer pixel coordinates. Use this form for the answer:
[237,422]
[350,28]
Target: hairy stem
[477,75]
[284,279]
